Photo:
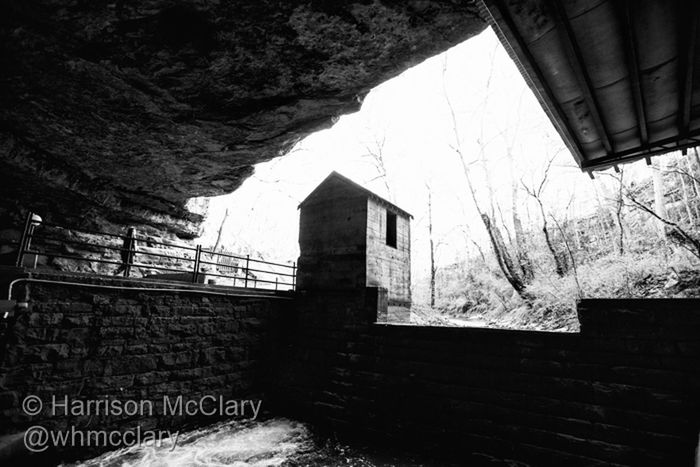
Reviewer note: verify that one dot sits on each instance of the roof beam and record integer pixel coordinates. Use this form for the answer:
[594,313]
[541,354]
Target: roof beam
[624,12]
[688,42]
[576,61]
[510,36]
[659,147]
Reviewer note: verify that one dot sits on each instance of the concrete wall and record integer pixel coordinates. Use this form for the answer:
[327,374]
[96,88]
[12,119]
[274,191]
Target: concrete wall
[343,245]
[96,343]
[625,391]
[389,267]
[332,238]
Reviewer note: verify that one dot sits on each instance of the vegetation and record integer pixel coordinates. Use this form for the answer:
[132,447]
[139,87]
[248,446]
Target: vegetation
[642,239]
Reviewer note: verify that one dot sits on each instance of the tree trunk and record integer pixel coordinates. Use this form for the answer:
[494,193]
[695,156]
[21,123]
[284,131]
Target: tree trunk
[659,203]
[480,251]
[499,249]
[432,248]
[504,260]
[221,229]
[620,231]
[696,189]
[520,241]
[618,216]
[686,200]
[684,238]
[577,234]
[559,265]
[562,232]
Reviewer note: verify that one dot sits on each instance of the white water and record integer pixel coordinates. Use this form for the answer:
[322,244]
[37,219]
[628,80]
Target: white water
[268,443]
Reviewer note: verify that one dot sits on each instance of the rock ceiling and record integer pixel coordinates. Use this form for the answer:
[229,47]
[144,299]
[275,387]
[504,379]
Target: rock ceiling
[120,111]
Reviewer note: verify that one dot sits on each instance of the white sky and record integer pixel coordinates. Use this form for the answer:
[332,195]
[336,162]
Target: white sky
[492,104]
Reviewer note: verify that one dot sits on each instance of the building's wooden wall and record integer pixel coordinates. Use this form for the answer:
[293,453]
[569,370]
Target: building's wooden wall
[332,238]
[387,266]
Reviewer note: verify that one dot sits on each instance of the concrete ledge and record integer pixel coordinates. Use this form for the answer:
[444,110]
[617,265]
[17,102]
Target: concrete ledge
[638,317]
[8,275]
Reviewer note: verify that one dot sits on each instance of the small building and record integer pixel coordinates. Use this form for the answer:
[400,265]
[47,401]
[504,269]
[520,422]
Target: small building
[350,237]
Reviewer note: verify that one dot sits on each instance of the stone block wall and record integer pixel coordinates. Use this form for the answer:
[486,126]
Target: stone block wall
[623,391]
[91,344]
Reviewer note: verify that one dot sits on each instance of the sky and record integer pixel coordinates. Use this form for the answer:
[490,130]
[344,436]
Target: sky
[412,114]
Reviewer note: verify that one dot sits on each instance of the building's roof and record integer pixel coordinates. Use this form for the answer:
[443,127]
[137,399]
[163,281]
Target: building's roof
[620,79]
[357,187]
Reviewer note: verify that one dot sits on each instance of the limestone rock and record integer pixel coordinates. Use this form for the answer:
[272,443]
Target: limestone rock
[116,112]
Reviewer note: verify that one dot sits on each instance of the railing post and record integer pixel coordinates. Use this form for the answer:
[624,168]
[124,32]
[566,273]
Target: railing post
[130,247]
[197,258]
[275,283]
[247,264]
[24,240]
[294,275]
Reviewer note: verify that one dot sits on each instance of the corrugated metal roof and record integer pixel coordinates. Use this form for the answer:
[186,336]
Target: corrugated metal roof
[620,79]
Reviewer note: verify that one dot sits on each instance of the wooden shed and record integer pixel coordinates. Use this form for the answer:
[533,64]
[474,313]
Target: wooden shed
[350,237]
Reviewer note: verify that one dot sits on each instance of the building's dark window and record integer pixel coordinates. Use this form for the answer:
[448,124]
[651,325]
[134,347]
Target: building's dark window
[391,229]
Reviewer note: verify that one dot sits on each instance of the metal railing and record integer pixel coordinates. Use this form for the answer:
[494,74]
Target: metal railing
[39,239]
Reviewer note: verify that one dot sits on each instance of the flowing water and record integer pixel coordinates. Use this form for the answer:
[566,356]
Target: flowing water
[274,442]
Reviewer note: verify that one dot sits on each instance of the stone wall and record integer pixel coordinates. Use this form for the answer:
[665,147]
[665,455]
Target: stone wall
[623,391]
[90,344]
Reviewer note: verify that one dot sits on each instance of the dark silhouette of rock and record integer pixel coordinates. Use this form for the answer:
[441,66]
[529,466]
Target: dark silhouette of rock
[118,112]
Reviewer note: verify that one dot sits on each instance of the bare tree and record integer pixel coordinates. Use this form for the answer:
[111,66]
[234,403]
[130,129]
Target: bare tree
[519,238]
[571,256]
[674,231]
[685,196]
[619,203]
[600,216]
[536,193]
[375,151]
[219,233]
[433,269]
[659,202]
[505,262]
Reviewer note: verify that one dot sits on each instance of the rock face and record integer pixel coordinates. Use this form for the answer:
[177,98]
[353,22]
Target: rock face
[116,112]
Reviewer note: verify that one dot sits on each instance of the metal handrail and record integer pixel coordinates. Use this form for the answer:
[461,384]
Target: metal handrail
[254,280]
[254,270]
[209,252]
[130,249]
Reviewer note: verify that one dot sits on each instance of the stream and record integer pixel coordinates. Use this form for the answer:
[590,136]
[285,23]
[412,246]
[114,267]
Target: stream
[273,442]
